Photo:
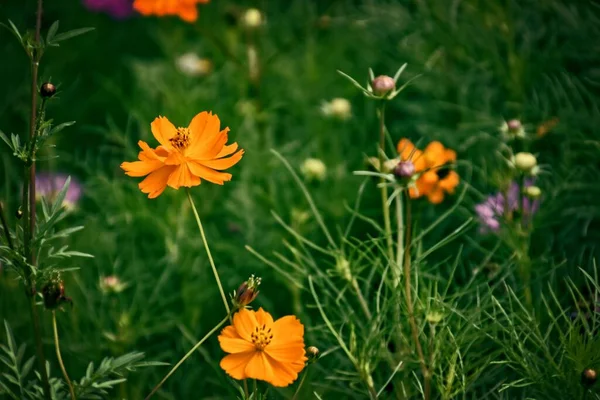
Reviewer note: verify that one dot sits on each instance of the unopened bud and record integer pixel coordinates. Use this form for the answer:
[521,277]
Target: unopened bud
[47,90]
[313,354]
[525,162]
[434,317]
[54,294]
[589,377]
[313,169]
[382,85]
[112,284]
[514,125]
[252,18]
[404,170]
[19,213]
[533,192]
[247,292]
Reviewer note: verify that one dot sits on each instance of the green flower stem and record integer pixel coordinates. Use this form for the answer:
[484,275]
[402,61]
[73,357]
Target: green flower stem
[384,189]
[189,353]
[295,396]
[210,259]
[59,357]
[400,239]
[409,306]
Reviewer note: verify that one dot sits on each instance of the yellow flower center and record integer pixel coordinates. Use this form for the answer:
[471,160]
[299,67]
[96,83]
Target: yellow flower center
[261,337]
[181,139]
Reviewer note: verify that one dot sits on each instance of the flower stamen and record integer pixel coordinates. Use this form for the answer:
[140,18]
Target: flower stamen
[261,337]
[181,139]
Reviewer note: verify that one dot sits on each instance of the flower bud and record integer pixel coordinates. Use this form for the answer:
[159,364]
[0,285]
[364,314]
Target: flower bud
[19,213]
[54,294]
[313,169]
[382,85]
[313,354]
[404,170]
[192,65]
[434,317]
[247,292]
[525,162]
[342,266]
[589,377]
[533,192]
[112,284]
[514,125]
[338,107]
[252,18]
[47,90]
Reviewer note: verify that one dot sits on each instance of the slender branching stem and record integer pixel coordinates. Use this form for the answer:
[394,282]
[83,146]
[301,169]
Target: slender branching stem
[5,227]
[189,353]
[400,238]
[361,299]
[29,206]
[59,357]
[384,190]
[210,259]
[297,392]
[246,392]
[409,305]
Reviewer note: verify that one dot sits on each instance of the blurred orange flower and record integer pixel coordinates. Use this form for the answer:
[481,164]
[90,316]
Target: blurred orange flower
[262,349]
[436,178]
[185,155]
[184,9]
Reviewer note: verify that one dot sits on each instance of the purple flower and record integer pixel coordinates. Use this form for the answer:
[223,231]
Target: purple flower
[492,210]
[118,9]
[49,184]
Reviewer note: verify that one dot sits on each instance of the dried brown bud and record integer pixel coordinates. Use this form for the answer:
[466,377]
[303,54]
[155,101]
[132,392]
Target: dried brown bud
[54,294]
[247,292]
[382,85]
[47,90]
[404,170]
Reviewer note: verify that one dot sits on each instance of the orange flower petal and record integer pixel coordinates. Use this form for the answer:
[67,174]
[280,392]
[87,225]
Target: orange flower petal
[209,174]
[286,373]
[450,182]
[436,196]
[155,183]
[259,367]
[232,342]
[405,149]
[163,130]
[182,176]
[227,150]
[263,317]
[223,163]
[140,168]
[244,322]
[204,127]
[235,364]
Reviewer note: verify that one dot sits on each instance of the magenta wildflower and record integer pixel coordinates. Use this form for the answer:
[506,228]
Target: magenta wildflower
[491,211]
[48,185]
[117,9]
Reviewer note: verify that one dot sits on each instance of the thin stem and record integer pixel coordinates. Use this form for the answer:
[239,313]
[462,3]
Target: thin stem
[400,238]
[384,190]
[59,357]
[409,305]
[295,396]
[361,299]
[5,227]
[189,353]
[210,259]
[246,393]
[30,211]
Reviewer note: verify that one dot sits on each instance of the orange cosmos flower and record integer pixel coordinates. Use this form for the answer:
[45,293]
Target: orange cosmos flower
[436,178]
[262,349]
[184,9]
[185,155]
[439,178]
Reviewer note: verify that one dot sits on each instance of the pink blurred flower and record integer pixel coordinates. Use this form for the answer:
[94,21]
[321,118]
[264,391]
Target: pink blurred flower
[118,9]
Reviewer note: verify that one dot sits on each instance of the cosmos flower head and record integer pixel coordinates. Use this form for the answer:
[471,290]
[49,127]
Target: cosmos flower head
[118,9]
[185,156]
[264,349]
[185,9]
[48,185]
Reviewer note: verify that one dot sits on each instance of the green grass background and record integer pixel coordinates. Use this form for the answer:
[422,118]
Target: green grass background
[479,62]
